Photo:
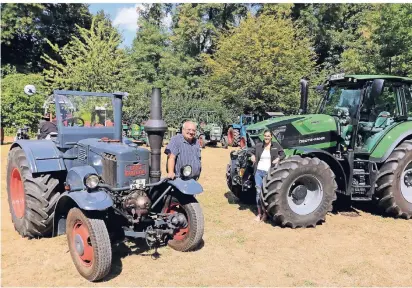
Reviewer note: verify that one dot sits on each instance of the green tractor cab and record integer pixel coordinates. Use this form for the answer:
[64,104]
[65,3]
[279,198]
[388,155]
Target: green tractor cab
[358,144]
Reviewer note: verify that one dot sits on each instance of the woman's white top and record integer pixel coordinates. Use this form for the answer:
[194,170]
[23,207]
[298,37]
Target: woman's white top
[264,161]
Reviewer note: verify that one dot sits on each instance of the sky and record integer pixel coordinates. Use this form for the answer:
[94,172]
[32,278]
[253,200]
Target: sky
[123,16]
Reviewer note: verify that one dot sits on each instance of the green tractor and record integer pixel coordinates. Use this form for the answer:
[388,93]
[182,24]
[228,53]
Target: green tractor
[358,145]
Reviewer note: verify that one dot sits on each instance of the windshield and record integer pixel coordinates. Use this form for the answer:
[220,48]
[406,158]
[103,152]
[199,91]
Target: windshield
[86,111]
[341,97]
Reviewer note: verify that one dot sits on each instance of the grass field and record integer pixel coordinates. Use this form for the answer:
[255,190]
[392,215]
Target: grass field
[357,248]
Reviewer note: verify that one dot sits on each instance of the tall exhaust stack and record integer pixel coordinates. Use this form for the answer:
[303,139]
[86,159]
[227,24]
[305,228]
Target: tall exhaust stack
[155,128]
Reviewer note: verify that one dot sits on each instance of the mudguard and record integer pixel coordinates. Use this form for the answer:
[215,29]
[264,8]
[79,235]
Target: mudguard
[42,155]
[334,164]
[75,177]
[91,201]
[188,187]
[385,146]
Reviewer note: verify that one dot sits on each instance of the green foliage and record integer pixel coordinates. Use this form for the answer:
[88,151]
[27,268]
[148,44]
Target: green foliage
[26,26]
[383,43]
[90,62]
[259,64]
[17,107]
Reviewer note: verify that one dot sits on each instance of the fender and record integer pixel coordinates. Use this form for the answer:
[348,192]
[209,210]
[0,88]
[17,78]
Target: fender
[90,201]
[42,155]
[188,187]
[341,177]
[75,177]
[385,146]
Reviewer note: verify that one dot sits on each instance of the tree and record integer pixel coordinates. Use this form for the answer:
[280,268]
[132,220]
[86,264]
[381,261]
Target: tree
[25,28]
[383,42]
[258,65]
[17,107]
[90,62]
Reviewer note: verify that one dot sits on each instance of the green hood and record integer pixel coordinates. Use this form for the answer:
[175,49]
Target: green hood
[299,130]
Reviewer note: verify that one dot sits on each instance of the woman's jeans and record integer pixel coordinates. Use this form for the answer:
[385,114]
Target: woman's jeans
[259,183]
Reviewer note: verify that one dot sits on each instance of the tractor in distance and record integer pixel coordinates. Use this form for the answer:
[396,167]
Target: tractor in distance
[89,184]
[236,132]
[358,145]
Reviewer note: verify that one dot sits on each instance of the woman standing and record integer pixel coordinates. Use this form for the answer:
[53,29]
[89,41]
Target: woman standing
[264,156]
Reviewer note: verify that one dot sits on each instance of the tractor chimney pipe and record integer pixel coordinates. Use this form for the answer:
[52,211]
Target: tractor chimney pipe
[155,128]
[118,107]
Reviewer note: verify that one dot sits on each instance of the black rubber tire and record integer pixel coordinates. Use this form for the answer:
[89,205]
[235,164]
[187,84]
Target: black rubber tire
[41,193]
[202,141]
[275,190]
[195,217]
[225,142]
[246,197]
[388,192]
[100,241]
[236,138]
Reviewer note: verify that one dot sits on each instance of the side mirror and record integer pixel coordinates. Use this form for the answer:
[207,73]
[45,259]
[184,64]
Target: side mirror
[319,88]
[29,90]
[376,89]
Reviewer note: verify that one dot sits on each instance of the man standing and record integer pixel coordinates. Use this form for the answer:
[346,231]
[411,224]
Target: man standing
[183,149]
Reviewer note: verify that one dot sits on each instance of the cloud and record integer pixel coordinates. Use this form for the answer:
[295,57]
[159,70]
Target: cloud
[127,17]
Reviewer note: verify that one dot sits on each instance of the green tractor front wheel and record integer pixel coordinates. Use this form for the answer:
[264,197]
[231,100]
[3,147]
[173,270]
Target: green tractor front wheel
[299,192]
[394,184]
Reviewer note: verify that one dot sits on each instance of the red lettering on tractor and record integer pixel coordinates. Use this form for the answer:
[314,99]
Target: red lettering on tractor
[135,170]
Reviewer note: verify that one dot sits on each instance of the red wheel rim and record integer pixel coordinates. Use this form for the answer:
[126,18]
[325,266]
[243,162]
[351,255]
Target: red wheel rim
[17,193]
[182,232]
[242,142]
[230,136]
[80,232]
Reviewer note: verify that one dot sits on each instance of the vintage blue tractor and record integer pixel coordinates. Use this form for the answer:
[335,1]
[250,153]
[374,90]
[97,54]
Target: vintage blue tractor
[87,182]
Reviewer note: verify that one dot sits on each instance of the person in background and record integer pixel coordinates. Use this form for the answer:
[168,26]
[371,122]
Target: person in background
[264,156]
[46,127]
[184,149]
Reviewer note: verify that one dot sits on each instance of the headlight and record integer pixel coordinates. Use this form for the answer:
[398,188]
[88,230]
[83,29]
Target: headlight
[91,181]
[187,171]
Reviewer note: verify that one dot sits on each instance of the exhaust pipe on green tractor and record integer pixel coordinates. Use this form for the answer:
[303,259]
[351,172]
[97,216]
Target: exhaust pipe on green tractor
[303,96]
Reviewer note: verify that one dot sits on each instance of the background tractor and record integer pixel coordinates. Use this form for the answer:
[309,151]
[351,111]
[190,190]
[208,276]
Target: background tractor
[90,184]
[358,145]
[236,133]
[209,127]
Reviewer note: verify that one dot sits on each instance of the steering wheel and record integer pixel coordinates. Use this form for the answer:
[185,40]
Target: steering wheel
[75,121]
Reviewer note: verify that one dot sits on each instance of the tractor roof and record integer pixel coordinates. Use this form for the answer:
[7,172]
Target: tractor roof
[369,77]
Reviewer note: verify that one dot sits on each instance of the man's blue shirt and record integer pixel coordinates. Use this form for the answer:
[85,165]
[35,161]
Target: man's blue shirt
[186,154]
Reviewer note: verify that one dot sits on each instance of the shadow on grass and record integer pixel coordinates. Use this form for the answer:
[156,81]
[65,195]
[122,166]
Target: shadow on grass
[135,247]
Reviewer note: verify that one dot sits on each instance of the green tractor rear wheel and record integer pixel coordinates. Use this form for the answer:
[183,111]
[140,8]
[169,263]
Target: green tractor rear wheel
[299,192]
[394,184]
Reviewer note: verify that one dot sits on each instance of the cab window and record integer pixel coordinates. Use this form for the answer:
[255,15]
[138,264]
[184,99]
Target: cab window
[408,97]
[386,102]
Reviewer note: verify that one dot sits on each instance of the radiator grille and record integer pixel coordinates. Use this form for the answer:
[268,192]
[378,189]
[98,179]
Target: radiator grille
[109,169]
[82,154]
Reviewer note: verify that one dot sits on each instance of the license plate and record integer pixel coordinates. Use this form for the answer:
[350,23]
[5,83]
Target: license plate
[138,184]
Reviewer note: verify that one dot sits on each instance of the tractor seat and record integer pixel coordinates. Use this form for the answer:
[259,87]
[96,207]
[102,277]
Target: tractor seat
[51,136]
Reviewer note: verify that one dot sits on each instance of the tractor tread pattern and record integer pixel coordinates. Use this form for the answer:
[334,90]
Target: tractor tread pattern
[103,248]
[386,180]
[236,138]
[41,198]
[195,211]
[270,194]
